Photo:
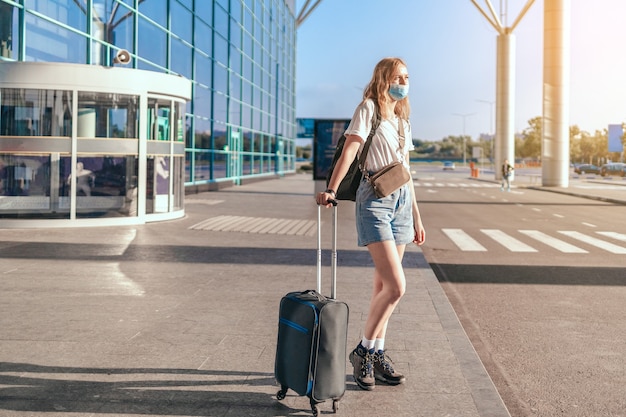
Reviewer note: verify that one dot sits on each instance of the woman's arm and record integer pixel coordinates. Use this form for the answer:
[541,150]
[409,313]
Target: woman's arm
[418,227]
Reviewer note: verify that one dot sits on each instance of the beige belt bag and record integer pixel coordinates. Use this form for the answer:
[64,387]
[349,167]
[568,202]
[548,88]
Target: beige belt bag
[389,179]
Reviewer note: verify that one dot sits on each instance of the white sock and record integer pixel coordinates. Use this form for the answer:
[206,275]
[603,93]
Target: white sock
[368,344]
[379,345]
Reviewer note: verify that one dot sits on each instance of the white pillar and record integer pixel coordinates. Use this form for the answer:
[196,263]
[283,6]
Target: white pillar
[505,102]
[556,64]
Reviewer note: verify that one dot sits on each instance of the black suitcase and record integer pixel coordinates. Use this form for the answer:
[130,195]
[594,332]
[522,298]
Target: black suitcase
[312,337]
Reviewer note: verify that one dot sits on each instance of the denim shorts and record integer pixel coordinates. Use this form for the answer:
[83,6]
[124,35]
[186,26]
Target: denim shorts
[387,218]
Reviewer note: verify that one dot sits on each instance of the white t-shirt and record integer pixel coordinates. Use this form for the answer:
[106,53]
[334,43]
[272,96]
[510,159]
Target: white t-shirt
[385,147]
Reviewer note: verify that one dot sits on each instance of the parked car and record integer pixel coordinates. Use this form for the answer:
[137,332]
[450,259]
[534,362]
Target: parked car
[586,169]
[614,168]
[448,165]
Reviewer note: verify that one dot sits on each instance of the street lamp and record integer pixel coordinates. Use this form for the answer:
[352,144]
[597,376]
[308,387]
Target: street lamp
[464,116]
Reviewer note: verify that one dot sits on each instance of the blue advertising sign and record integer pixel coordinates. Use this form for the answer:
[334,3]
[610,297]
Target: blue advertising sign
[305,128]
[325,138]
[615,138]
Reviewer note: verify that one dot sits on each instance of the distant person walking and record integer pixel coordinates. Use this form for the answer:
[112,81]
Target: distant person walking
[384,225]
[507,172]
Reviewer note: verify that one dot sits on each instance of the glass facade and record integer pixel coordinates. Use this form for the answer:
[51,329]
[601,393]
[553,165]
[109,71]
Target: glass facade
[238,54]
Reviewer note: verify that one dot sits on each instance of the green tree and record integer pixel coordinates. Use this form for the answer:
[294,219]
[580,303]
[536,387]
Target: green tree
[452,146]
[528,145]
[575,144]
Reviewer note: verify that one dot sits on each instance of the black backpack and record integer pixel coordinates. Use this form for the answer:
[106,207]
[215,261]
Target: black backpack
[350,183]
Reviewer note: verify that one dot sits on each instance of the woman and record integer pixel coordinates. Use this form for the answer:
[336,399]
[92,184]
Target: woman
[385,225]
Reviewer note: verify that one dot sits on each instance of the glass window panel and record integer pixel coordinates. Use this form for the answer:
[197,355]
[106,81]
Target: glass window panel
[248,21]
[46,41]
[202,134]
[221,21]
[106,186]
[107,115]
[246,68]
[246,95]
[204,10]
[219,107]
[246,116]
[155,10]
[9,35]
[186,3]
[235,86]
[221,50]
[159,120]
[29,112]
[189,131]
[256,120]
[204,70]
[235,33]
[64,11]
[223,3]
[202,101]
[151,43]
[202,166]
[247,44]
[234,116]
[158,191]
[181,58]
[178,119]
[219,137]
[247,141]
[119,31]
[182,20]
[257,33]
[271,124]
[235,60]
[256,98]
[188,165]
[143,65]
[178,185]
[24,175]
[219,165]
[203,37]
[220,78]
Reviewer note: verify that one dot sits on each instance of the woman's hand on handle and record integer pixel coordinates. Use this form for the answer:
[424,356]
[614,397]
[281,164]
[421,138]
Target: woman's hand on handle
[326,198]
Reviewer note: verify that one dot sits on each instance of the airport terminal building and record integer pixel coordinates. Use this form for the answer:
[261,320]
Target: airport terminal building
[112,110]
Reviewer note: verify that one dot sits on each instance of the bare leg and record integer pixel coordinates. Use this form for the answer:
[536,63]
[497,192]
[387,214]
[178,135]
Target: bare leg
[388,287]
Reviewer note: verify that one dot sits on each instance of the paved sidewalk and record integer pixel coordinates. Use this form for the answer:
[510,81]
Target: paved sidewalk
[179,318]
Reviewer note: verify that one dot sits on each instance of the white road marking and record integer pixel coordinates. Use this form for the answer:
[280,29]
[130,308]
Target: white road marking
[464,241]
[614,235]
[594,242]
[507,241]
[553,242]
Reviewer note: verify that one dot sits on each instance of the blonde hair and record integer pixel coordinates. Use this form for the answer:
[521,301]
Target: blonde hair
[378,87]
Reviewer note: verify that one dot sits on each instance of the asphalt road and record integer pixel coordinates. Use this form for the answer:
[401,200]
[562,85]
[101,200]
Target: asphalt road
[538,282]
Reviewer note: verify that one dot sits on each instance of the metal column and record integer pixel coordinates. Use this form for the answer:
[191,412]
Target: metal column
[556,65]
[505,102]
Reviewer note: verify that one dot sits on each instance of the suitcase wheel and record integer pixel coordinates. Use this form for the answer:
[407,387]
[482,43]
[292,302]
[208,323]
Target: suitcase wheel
[315,408]
[335,406]
[280,395]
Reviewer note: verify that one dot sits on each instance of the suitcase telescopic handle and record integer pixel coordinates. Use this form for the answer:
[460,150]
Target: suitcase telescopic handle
[333,263]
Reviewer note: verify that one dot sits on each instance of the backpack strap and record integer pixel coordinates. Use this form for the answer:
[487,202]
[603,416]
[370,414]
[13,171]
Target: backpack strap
[368,142]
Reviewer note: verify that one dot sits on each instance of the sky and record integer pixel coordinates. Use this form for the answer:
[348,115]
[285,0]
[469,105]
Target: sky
[450,51]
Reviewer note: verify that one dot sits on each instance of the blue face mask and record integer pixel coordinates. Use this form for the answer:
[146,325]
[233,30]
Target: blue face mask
[398,91]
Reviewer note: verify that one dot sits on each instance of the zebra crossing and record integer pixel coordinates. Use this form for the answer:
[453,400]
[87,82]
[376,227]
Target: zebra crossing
[564,241]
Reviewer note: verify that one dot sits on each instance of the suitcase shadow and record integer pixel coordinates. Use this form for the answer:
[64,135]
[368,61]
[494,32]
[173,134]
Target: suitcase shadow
[140,391]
